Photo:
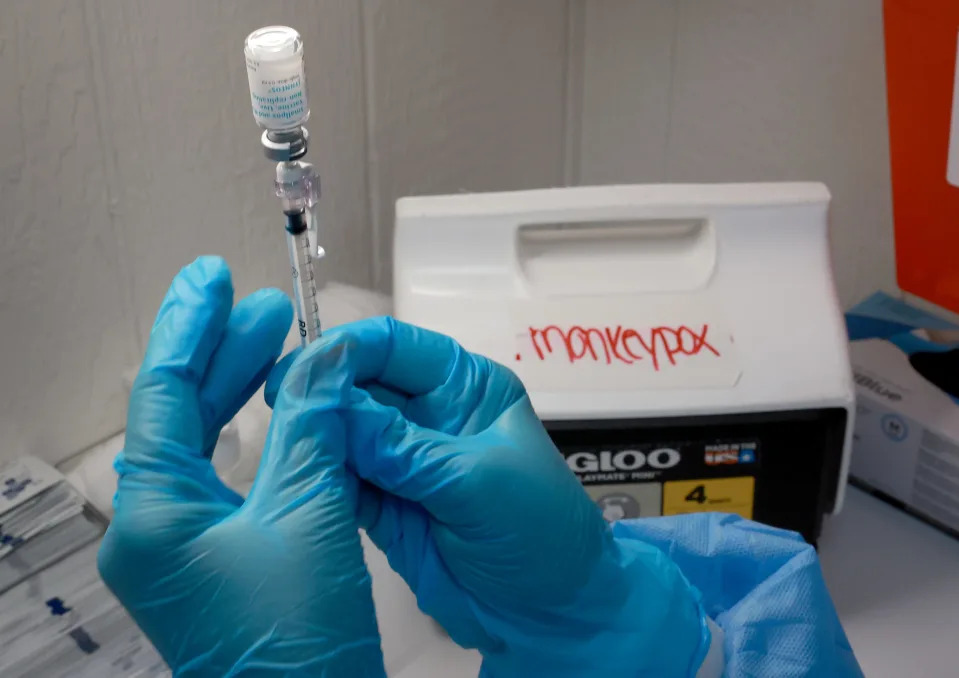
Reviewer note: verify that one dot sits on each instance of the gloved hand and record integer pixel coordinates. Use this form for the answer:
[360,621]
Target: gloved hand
[763,586]
[477,510]
[271,586]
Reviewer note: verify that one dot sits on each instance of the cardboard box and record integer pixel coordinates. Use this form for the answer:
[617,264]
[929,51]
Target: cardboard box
[906,442]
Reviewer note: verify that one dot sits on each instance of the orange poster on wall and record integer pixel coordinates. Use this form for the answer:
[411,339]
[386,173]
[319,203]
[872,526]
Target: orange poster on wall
[923,90]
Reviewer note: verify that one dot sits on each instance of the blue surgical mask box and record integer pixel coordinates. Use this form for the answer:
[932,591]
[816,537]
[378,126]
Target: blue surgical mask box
[906,441]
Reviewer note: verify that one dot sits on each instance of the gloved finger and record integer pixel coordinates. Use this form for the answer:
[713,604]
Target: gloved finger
[382,393]
[164,420]
[251,343]
[397,456]
[404,357]
[275,378]
[403,532]
[303,466]
[387,396]
[368,505]
[446,383]
[388,521]
[393,524]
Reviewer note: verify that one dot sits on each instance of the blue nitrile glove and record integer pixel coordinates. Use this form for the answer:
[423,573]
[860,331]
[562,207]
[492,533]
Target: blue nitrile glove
[763,586]
[271,586]
[477,510]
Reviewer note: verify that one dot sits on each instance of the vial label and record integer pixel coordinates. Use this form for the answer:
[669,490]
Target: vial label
[278,96]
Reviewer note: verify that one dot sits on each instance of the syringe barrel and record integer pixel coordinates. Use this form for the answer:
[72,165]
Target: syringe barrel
[276,72]
[304,285]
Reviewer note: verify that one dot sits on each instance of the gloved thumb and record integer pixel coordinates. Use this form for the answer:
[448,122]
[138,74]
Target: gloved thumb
[406,460]
[303,464]
[275,379]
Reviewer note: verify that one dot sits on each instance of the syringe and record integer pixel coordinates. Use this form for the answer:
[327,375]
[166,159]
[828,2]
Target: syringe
[274,64]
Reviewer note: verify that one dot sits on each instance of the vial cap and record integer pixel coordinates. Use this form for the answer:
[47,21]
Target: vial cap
[274,43]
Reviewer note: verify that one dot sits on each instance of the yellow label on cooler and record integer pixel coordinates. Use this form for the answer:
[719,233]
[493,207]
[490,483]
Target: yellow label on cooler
[728,495]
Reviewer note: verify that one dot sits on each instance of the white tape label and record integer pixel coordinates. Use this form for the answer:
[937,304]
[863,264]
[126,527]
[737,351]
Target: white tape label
[587,343]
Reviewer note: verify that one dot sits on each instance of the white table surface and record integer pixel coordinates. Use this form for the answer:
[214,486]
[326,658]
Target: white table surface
[895,582]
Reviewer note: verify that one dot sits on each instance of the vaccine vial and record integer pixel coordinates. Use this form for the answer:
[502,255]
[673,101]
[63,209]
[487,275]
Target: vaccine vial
[274,66]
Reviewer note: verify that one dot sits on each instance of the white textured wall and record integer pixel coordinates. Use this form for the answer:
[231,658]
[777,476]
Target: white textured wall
[66,305]
[743,90]
[462,96]
[127,148]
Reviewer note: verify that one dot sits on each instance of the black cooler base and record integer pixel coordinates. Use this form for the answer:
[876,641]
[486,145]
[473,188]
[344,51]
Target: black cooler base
[779,468]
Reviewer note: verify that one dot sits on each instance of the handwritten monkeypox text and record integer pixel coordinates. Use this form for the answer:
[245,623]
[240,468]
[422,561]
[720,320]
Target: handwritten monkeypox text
[661,346]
